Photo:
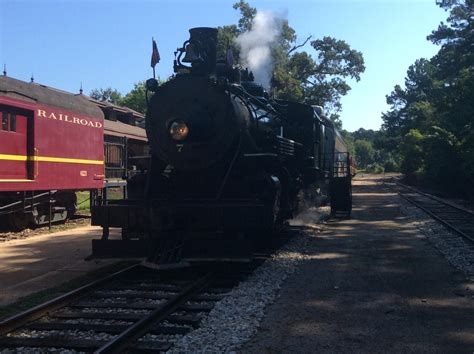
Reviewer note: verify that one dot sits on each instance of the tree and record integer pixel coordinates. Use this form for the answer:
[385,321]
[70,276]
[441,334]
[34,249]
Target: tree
[433,112]
[412,106]
[349,139]
[106,95]
[364,152]
[296,75]
[365,134]
[136,99]
[321,81]
[225,40]
[455,63]
[412,151]
[247,14]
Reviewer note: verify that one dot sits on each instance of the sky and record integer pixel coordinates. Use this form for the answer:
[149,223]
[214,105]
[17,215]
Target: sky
[107,43]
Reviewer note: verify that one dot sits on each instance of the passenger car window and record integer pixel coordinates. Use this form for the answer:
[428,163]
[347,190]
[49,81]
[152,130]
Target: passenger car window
[4,120]
[8,117]
[12,122]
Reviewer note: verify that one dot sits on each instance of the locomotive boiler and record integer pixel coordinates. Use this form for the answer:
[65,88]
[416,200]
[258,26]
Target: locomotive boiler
[228,164]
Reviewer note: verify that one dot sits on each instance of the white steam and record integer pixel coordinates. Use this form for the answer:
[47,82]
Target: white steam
[255,45]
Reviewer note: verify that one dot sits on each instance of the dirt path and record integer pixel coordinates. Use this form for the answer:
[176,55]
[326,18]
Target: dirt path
[374,285]
[44,261]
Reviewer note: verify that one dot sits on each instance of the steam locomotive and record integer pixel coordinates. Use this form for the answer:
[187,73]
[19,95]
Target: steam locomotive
[228,164]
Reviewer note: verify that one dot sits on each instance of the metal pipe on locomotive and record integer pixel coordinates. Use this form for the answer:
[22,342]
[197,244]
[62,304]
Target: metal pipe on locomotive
[228,164]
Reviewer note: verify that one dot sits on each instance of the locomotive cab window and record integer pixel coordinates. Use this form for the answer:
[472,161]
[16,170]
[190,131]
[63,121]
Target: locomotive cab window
[267,121]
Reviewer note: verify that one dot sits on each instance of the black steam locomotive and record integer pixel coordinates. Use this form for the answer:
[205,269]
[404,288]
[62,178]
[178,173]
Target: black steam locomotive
[228,164]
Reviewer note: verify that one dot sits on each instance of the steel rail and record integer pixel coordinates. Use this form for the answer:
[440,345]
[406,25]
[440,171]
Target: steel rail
[140,328]
[436,198]
[18,320]
[436,217]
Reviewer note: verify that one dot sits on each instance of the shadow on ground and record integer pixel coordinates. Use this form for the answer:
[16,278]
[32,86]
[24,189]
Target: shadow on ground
[371,284]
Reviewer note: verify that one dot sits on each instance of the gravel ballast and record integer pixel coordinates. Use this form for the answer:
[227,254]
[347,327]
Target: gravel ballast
[458,251]
[236,318]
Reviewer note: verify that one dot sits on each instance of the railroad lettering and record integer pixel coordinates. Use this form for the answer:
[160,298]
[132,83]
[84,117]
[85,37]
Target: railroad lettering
[65,118]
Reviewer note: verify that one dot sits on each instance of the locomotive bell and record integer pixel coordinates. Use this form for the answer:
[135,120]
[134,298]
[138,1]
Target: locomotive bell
[191,55]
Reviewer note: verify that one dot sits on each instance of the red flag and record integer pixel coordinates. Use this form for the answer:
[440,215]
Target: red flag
[155,55]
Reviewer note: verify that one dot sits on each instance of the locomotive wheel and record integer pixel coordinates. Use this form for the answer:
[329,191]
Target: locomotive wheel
[341,197]
[18,221]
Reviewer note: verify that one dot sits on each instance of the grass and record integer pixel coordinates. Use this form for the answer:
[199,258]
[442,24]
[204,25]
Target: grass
[83,205]
[115,193]
[35,299]
[83,199]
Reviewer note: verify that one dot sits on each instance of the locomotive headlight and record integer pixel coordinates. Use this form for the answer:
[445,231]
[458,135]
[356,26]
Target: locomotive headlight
[179,130]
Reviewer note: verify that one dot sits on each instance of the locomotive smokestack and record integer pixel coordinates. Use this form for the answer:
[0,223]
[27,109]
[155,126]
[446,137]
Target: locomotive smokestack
[202,50]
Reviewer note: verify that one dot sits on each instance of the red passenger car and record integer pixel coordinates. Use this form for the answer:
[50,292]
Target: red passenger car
[51,145]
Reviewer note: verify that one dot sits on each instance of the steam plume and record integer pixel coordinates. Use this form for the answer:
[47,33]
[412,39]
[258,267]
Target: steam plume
[255,45]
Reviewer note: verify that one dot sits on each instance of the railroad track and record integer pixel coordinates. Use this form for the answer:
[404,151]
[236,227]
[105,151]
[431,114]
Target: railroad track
[458,219]
[136,309]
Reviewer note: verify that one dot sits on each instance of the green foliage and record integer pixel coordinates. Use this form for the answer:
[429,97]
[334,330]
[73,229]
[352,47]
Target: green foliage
[322,81]
[136,99]
[225,40]
[247,13]
[411,149]
[364,153]
[434,110]
[375,168]
[390,165]
[349,139]
[365,134]
[373,150]
[108,95]
[297,75]
[83,202]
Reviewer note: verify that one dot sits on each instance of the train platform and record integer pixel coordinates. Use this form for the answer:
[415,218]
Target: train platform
[44,261]
[375,285]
